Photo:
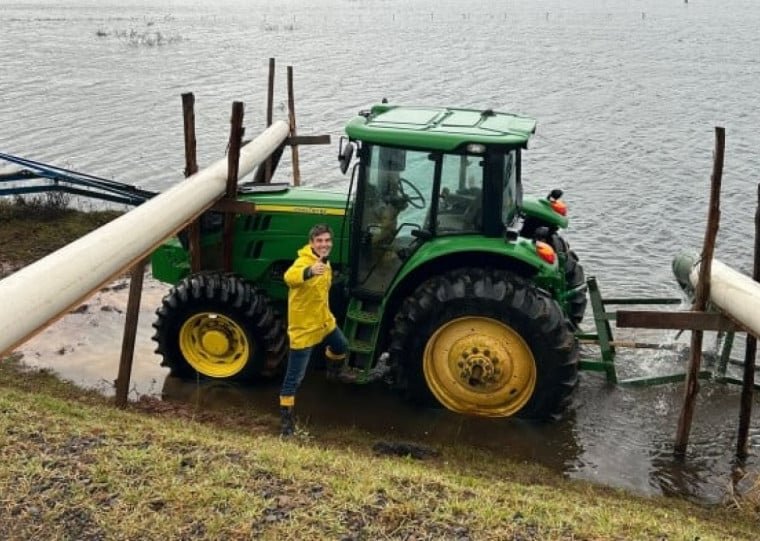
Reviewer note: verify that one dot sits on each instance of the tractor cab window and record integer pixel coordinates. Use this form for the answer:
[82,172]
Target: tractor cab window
[460,208]
[511,195]
[396,202]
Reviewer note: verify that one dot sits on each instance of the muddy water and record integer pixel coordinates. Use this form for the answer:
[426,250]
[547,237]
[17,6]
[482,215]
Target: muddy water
[626,95]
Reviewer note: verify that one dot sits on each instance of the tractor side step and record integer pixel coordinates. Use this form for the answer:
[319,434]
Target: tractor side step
[360,346]
[363,317]
[361,329]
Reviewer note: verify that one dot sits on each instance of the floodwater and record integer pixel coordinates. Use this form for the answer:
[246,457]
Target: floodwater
[626,92]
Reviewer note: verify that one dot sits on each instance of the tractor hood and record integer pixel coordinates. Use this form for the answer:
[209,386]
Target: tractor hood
[282,198]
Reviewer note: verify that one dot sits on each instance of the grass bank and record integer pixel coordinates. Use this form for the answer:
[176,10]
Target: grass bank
[75,467]
[33,227]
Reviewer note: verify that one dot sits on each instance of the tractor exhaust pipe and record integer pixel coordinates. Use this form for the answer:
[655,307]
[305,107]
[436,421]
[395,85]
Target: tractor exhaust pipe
[736,294]
[37,295]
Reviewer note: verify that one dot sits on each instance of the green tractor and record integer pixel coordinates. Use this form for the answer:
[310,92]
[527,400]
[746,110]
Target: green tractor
[444,275]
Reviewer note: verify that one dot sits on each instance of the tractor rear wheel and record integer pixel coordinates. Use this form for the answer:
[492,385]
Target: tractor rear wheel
[486,343]
[218,326]
[575,279]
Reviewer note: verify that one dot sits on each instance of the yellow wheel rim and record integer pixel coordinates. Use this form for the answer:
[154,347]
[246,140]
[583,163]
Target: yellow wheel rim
[479,366]
[214,345]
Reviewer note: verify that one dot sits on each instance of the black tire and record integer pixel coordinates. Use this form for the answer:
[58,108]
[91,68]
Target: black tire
[219,326]
[493,300]
[575,279]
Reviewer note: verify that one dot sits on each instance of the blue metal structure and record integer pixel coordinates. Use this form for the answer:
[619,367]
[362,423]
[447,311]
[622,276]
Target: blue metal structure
[64,180]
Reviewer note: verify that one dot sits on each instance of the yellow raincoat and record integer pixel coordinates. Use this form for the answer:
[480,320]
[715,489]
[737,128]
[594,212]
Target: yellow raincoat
[309,316]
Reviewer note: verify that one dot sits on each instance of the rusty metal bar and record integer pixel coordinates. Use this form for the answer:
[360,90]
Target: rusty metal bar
[650,319]
[293,136]
[130,332]
[750,354]
[233,157]
[191,167]
[702,296]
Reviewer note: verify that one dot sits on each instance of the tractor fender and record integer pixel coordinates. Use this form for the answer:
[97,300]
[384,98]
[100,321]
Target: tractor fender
[474,251]
[442,254]
[541,210]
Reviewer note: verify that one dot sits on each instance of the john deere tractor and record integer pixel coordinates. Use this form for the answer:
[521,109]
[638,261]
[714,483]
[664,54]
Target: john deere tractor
[445,274]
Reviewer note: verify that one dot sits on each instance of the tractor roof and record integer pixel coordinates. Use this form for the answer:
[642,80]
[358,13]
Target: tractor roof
[439,128]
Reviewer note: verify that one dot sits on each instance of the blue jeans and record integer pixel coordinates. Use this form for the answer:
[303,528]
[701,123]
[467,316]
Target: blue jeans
[298,361]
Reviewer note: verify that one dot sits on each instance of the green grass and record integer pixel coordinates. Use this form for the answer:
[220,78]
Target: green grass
[35,226]
[75,467]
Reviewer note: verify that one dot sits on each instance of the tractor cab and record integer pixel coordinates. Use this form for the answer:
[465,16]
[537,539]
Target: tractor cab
[429,173]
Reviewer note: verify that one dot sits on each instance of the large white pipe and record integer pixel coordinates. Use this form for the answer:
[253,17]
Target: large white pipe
[734,293]
[38,294]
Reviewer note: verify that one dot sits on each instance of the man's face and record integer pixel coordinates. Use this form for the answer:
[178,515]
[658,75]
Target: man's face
[321,244]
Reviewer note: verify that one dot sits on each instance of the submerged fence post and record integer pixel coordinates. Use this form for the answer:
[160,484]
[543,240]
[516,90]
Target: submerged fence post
[745,409]
[702,295]
[191,167]
[130,332]
[233,158]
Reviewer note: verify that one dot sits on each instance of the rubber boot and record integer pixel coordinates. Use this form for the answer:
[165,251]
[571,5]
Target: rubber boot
[333,370]
[335,363]
[287,421]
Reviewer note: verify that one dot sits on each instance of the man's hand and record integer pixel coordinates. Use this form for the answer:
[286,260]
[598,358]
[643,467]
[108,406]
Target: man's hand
[317,268]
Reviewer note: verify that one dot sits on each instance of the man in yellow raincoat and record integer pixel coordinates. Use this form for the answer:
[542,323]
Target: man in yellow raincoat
[310,321]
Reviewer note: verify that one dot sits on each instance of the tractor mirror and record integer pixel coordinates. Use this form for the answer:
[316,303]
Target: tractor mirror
[345,153]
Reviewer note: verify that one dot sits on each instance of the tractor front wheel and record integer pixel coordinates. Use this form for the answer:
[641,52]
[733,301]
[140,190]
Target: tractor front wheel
[485,343]
[218,326]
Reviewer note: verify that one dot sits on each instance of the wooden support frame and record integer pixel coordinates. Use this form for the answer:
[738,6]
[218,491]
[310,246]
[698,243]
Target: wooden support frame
[702,296]
[270,116]
[295,160]
[233,160]
[750,355]
[296,140]
[233,206]
[130,332]
[191,167]
[690,320]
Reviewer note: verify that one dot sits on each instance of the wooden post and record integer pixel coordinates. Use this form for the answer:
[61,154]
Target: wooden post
[270,114]
[292,121]
[191,167]
[233,162]
[130,331]
[745,410]
[701,296]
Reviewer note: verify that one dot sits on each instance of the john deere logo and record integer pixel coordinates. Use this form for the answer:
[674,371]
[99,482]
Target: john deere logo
[302,210]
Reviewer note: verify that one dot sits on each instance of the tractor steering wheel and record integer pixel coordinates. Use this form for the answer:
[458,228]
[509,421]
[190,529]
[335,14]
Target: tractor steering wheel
[417,200]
